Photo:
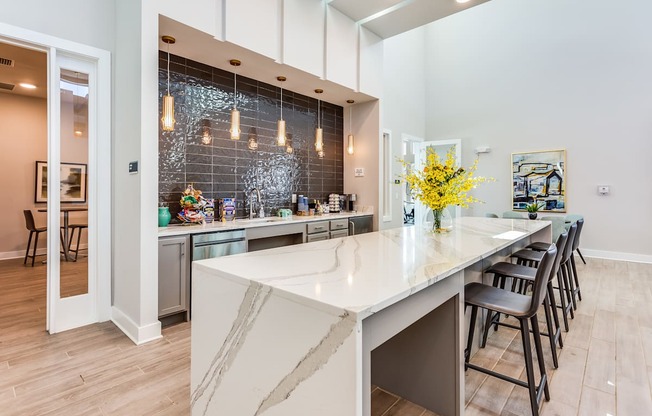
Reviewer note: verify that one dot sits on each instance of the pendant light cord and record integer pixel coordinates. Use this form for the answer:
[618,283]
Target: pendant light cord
[281,101]
[318,113]
[235,90]
[168,69]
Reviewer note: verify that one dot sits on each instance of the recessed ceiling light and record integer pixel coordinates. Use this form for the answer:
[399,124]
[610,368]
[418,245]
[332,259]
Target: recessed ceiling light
[28,86]
[462,1]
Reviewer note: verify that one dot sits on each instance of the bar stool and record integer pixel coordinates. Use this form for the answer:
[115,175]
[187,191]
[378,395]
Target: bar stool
[513,215]
[79,228]
[576,247]
[573,218]
[566,291]
[524,308]
[526,275]
[34,231]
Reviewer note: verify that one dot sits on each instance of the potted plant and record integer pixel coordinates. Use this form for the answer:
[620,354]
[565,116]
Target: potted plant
[533,208]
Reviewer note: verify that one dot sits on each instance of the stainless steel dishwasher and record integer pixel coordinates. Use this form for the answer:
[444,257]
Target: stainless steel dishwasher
[218,244]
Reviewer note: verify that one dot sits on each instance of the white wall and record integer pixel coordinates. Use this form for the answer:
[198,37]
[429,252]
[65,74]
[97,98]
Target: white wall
[404,102]
[547,74]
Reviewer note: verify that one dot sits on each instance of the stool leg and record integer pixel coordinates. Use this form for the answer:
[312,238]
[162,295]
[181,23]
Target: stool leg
[529,368]
[577,282]
[29,244]
[469,342]
[35,245]
[562,299]
[568,291]
[551,333]
[581,256]
[79,231]
[542,364]
[555,315]
[491,318]
[568,275]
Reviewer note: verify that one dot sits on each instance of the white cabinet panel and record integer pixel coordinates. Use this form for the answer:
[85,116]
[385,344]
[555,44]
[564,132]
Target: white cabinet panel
[303,35]
[254,24]
[371,63]
[341,49]
[203,15]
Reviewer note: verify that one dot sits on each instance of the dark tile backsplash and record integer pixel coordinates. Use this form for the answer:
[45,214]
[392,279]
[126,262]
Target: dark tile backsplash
[226,168]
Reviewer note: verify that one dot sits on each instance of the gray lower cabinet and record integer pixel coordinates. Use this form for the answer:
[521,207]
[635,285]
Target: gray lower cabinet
[173,275]
[361,225]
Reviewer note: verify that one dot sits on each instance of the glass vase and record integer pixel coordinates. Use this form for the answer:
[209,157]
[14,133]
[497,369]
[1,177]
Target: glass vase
[164,216]
[442,220]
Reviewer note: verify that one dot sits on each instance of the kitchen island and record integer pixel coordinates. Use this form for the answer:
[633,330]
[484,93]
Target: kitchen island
[305,330]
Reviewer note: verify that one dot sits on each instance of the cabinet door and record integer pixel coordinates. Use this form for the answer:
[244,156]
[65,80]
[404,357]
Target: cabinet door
[173,282]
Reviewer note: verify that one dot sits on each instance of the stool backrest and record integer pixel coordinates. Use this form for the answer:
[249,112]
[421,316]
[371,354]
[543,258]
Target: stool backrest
[562,240]
[541,279]
[568,251]
[576,240]
[574,217]
[514,215]
[29,220]
[490,215]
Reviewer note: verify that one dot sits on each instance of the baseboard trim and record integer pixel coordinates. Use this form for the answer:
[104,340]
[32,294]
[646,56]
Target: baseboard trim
[616,255]
[138,334]
[6,255]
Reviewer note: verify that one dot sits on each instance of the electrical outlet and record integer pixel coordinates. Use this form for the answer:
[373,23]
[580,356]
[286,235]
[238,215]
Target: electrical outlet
[603,189]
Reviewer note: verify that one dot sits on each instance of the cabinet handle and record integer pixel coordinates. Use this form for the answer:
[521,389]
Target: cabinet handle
[318,228]
[183,249]
[352,227]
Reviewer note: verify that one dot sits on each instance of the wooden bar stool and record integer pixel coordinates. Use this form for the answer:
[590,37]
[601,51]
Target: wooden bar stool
[524,308]
[526,275]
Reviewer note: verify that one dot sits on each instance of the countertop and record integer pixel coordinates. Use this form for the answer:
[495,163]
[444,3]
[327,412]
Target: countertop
[365,273]
[181,229]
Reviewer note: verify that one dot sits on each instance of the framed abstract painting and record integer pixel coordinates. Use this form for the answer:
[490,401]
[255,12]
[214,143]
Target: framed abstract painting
[539,177]
[72,182]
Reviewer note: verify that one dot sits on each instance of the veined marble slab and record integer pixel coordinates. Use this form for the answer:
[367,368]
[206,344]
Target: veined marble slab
[279,332]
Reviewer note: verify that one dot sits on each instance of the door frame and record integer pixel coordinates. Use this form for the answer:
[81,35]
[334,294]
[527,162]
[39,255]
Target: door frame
[99,185]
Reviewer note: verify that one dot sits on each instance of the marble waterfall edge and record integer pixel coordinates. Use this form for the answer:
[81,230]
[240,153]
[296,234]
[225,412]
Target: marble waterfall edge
[262,354]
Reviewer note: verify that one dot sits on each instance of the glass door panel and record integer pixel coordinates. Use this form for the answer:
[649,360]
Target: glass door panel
[74,138]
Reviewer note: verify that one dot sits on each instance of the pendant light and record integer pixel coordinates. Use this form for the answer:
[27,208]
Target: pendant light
[206,137]
[288,149]
[167,119]
[350,138]
[319,133]
[281,138]
[252,142]
[235,114]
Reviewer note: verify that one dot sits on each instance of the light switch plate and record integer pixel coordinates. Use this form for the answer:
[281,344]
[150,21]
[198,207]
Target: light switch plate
[358,172]
[133,167]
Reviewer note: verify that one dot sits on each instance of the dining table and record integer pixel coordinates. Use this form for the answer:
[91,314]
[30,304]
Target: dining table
[66,210]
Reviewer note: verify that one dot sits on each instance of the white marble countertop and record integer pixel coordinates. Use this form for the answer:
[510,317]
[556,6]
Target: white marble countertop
[365,273]
[180,229]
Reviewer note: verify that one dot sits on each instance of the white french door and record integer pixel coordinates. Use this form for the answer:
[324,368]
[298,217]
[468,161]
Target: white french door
[420,152]
[77,177]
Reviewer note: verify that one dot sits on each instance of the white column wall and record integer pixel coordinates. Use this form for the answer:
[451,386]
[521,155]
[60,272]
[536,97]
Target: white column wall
[404,102]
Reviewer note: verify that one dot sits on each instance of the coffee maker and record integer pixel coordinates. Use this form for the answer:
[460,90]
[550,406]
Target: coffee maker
[349,202]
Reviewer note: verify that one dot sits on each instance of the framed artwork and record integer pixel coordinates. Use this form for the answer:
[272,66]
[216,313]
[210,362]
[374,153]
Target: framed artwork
[72,186]
[540,177]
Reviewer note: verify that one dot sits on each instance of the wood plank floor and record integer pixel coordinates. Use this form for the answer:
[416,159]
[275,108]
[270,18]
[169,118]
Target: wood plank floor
[605,366]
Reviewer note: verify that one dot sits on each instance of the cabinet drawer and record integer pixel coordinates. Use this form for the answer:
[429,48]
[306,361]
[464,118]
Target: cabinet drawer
[317,237]
[342,224]
[317,227]
[339,233]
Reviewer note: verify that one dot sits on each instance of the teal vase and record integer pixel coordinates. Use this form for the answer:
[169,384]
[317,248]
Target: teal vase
[164,216]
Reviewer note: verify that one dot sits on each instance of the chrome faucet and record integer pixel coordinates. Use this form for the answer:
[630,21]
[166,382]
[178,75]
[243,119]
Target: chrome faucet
[261,210]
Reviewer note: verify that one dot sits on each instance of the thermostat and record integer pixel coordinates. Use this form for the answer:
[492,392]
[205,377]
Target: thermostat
[358,172]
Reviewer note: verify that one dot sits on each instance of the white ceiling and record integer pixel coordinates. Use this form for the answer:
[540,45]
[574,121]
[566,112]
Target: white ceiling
[387,18]
[30,66]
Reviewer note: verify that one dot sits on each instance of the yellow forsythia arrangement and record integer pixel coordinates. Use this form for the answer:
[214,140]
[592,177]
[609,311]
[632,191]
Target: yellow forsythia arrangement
[439,184]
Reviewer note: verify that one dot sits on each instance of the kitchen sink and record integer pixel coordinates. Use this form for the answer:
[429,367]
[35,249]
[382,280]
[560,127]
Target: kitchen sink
[262,220]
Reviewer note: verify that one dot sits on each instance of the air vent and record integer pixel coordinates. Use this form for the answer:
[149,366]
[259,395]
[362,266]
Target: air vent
[6,62]
[4,86]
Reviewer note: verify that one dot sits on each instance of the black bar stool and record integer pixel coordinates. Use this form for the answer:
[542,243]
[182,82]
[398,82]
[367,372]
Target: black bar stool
[34,231]
[78,228]
[566,297]
[576,247]
[526,275]
[524,308]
